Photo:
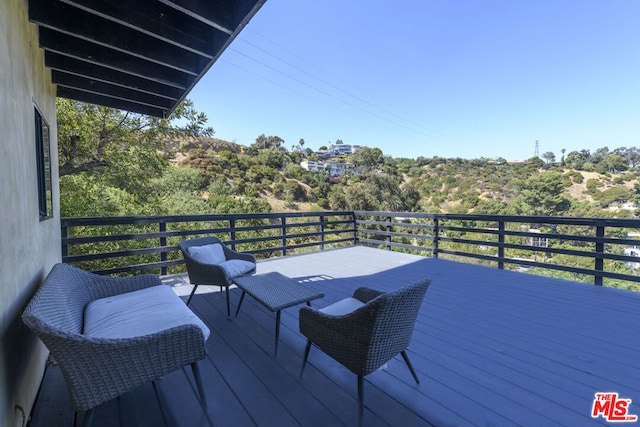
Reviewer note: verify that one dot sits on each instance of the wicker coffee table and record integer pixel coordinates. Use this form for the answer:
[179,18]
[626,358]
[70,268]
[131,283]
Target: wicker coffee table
[275,291]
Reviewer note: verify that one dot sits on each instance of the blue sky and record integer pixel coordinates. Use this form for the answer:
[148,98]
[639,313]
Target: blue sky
[449,78]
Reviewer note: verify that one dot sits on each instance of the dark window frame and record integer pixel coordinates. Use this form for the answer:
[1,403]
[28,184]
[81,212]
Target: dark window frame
[43,161]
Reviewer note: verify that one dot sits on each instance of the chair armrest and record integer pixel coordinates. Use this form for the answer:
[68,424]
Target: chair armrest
[366,294]
[88,364]
[334,334]
[231,254]
[201,273]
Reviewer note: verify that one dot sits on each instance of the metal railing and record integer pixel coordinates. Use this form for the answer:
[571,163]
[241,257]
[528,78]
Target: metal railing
[134,244]
[585,249]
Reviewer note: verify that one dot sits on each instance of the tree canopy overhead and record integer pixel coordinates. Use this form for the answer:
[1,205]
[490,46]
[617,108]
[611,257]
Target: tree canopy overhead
[92,137]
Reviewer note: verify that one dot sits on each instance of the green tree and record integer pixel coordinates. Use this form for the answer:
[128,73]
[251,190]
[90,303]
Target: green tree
[359,198]
[275,159]
[124,149]
[338,199]
[219,187]
[82,196]
[263,142]
[542,194]
[293,192]
[577,159]
[611,195]
[177,178]
[411,196]
[368,158]
[614,163]
[549,157]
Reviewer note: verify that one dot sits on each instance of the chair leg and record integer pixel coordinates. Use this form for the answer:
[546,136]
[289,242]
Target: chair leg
[228,307]
[275,351]
[306,356]
[196,375]
[88,418]
[240,303]
[193,291]
[408,362]
[360,399]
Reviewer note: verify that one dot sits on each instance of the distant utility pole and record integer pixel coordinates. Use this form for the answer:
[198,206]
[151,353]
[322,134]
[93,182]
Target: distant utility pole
[536,153]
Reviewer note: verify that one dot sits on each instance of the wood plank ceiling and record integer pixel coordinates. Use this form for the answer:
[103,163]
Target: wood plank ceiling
[142,56]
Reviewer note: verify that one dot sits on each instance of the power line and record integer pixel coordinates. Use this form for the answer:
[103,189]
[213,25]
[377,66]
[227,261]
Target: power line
[333,85]
[260,76]
[433,132]
[304,83]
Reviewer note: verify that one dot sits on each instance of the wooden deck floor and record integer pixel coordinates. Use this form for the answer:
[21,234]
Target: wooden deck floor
[491,347]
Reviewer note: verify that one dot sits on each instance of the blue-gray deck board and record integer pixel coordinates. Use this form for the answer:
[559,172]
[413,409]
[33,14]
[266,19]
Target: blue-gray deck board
[491,347]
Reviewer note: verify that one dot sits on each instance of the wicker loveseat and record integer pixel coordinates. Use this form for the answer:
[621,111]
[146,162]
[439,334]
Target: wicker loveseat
[109,335]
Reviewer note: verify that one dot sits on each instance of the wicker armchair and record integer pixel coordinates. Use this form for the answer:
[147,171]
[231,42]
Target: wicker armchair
[215,272]
[366,331]
[104,357]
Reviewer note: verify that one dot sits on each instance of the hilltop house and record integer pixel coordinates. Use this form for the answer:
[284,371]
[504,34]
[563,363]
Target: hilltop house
[335,150]
[142,56]
[338,149]
[335,169]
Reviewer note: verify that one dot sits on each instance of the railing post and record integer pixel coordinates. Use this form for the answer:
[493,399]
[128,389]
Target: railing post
[322,219]
[232,233]
[64,233]
[283,234]
[599,264]
[501,245]
[436,234]
[355,229]
[163,244]
[388,239]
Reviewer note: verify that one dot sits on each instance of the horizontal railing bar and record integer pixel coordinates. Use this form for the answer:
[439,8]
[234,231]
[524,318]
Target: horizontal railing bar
[396,214]
[94,221]
[118,254]
[396,224]
[563,251]
[571,237]
[397,245]
[183,233]
[139,267]
[396,234]
[280,248]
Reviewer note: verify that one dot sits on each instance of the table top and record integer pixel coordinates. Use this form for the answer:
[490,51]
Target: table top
[276,291]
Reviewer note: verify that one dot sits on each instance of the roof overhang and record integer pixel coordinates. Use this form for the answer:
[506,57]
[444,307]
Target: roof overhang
[142,56]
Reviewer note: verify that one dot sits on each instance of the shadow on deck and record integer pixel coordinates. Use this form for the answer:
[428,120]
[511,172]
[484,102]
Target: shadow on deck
[491,347]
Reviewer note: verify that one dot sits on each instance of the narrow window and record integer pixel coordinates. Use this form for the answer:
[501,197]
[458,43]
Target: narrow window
[43,157]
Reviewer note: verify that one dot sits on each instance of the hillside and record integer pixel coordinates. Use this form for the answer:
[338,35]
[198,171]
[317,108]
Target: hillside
[273,175]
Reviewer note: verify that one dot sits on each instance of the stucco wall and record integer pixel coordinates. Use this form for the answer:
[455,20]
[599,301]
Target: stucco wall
[29,247]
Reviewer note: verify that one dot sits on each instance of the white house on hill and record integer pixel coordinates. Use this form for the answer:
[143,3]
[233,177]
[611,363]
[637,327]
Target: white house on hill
[337,149]
[336,169]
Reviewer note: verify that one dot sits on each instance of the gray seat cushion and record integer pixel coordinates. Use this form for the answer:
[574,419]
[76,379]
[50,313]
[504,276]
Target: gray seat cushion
[236,267]
[342,307]
[138,313]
